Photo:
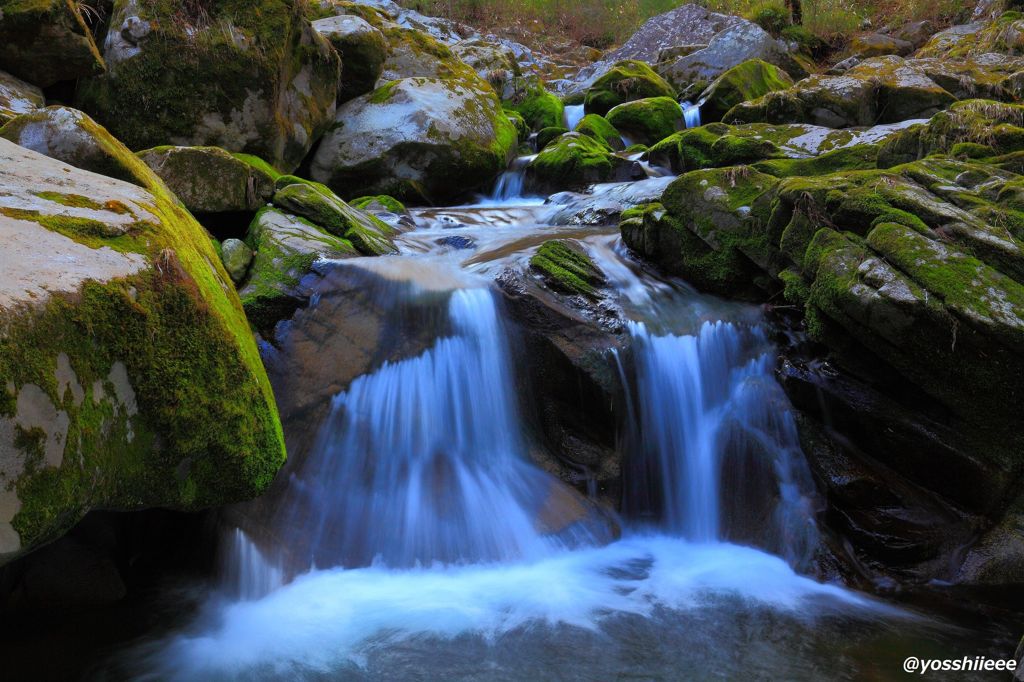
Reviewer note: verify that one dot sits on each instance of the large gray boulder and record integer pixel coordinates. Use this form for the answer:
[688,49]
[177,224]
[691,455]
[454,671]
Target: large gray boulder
[731,47]
[417,139]
[211,180]
[363,50]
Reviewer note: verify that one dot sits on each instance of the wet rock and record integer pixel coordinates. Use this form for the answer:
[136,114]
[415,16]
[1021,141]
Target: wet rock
[566,268]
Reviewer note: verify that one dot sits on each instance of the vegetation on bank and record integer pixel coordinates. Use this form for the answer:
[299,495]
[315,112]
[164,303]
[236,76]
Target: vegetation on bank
[605,23]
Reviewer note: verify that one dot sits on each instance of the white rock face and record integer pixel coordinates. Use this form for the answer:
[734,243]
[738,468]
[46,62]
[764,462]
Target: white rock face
[416,138]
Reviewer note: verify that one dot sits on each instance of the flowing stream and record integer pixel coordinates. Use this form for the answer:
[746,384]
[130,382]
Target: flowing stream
[418,540]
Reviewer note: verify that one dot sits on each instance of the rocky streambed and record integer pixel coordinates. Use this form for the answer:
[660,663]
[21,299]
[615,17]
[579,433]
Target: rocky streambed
[700,343]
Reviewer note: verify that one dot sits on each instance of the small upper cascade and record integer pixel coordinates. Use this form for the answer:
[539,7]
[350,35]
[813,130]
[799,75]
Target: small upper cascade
[510,184]
[691,114]
[573,115]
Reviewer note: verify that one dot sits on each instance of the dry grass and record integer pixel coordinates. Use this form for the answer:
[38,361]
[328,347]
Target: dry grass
[604,23]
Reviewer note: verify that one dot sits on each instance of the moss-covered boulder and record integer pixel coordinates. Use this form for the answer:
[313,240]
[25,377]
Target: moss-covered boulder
[715,145]
[211,180]
[750,80]
[870,45]
[71,136]
[47,41]
[575,160]
[379,203]
[18,97]
[973,128]
[416,54]
[417,139]
[247,77]
[285,249]
[363,50]
[310,200]
[624,82]
[128,375]
[546,135]
[880,90]
[599,128]
[646,121]
[1001,34]
[538,107]
[566,268]
[236,256]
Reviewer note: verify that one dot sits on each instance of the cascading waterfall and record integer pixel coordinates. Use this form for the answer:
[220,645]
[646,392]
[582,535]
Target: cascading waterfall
[510,184]
[691,114]
[573,115]
[701,399]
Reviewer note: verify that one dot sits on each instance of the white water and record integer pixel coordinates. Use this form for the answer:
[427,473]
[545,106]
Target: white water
[326,621]
[702,398]
[573,115]
[691,114]
[510,185]
[417,515]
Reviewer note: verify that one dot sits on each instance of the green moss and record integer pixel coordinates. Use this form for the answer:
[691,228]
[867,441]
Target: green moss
[712,146]
[599,128]
[623,82]
[857,157]
[538,107]
[206,412]
[747,81]
[517,120]
[566,269]
[573,160]
[546,135]
[794,289]
[390,203]
[647,120]
[370,235]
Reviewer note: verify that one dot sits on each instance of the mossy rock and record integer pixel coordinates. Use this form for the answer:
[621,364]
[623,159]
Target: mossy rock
[538,107]
[128,373]
[646,121]
[18,97]
[1000,34]
[575,160]
[285,249]
[625,81]
[713,146]
[995,125]
[47,41]
[600,129]
[857,157]
[246,77]
[362,49]
[880,90]
[519,123]
[368,234]
[71,136]
[381,201]
[211,180]
[566,268]
[750,80]
[416,54]
[444,138]
[546,135]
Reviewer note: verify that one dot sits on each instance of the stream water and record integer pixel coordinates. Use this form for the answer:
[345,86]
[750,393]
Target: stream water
[419,541]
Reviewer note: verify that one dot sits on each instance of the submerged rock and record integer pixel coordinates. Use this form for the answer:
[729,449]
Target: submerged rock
[417,139]
[104,284]
[260,81]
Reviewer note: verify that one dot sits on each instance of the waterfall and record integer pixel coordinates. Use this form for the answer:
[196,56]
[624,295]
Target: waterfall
[711,417]
[509,186]
[573,115]
[691,114]
[422,461]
